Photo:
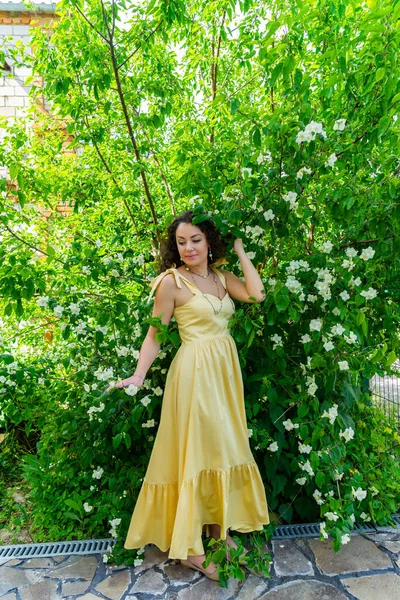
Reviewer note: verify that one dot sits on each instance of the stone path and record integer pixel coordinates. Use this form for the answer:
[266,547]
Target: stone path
[303,569]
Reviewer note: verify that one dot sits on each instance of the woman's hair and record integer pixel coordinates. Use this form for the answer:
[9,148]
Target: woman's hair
[169,249]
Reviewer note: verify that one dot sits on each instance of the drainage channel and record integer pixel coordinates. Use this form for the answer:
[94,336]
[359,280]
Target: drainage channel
[81,547]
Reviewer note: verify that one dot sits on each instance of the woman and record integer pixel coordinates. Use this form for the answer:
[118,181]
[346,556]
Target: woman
[201,471]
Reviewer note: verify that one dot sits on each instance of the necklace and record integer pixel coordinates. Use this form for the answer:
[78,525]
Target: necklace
[216,312]
[198,275]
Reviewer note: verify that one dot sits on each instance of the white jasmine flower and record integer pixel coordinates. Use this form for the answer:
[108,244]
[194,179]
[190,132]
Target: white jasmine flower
[86,270]
[327,247]
[98,243]
[345,538]
[343,365]
[315,325]
[277,339]
[149,423]
[365,517]
[105,558]
[293,284]
[311,298]
[338,476]
[145,401]
[81,327]
[347,434]
[322,529]
[97,473]
[158,391]
[58,310]
[272,282]
[43,301]
[305,339]
[301,172]
[331,160]
[331,414]
[291,198]
[337,329]
[329,346]
[122,351]
[301,480]
[351,252]
[74,308]
[247,171]
[367,253]
[251,255]
[351,338]
[269,215]
[137,562]
[131,389]
[87,507]
[369,294]
[304,449]
[318,497]
[314,127]
[331,516]
[359,493]
[41,381]
[355,282]
[273,447]
[344,295]
[336,311]
[301,137]
[339,125]
[288,425]
[257,230]
[306,466]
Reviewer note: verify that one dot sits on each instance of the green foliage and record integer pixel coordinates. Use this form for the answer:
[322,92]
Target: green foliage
[280,123]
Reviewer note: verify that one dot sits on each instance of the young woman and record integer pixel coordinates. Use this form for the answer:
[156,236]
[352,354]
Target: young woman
[201,470]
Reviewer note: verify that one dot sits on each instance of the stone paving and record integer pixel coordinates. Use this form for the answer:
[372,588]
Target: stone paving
[302,569]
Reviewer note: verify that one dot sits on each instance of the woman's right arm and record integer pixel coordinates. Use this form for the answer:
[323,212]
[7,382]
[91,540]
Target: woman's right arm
[164,305]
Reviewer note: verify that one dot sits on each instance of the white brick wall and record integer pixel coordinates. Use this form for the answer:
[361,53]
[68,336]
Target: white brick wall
[14,97]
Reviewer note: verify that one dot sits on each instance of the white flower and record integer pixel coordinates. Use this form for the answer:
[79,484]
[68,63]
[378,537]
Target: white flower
[251,255]
[74,308]
[103,374]
[312,388]
[246,170]
[269,215]
[331,516]
[304,449]
[301,137]
[249,433]
[103,329]
[345,538]
[318,497]
[338,476]
[351,338]
[351,252]
[311,298]
[149,423]
[145,401]
[131,390]
[354,282]
[374,491]
[81,327]
[114,523]
[339,125]
[331,160]
[322,529]
[98,243]
[300,172]
[347,434]
[41,381]
[327,247]
[367,253]
[122,351]
[293,284]
[331,414]
[315,325]
[137,562]
[105,558]
[336,311]
[43,300]
[305,339]
[369,294]
[301,480]
[273,447]
[314,127]
[58,310]
[344,295]
[288,425]
[307,468]
[277,339]
[257,230]
[337,329]
[359,493]
[87,507]
[343,365]
[86,270]
[365,517]
[272,282]
[97,473]
[329,346]
[158,391]
[291,198]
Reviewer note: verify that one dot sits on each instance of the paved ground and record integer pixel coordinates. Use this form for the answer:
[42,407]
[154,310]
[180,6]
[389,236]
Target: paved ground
[304,569]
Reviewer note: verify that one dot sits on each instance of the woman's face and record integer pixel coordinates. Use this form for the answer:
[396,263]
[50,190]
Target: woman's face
[192,245]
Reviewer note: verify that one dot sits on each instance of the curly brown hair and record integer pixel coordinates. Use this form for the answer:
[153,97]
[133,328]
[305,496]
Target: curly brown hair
[169,248]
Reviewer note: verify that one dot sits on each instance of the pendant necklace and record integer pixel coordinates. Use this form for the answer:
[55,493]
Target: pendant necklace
[216,312]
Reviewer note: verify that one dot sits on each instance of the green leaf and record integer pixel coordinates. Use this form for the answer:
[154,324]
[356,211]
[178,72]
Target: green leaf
[380,73]
[320,479]
[117,440]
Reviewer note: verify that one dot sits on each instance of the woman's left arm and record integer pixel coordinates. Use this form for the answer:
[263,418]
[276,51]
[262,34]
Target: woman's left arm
[252,286]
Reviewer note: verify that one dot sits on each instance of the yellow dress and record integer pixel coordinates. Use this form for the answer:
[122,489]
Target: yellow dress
[201,469]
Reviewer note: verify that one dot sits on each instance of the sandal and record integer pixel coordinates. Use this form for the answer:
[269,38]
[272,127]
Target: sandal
[243,562]
[189,565]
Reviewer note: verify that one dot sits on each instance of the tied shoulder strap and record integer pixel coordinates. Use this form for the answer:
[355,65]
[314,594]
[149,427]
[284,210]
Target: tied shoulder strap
[157,280]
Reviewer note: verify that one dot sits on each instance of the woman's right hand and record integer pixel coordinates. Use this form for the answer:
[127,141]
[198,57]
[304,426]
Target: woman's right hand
[136,380]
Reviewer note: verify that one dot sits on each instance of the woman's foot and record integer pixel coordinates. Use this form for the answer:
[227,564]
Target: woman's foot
[234,545]
[196,562]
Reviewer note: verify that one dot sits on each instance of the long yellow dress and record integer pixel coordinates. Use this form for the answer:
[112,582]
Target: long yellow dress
[201,469]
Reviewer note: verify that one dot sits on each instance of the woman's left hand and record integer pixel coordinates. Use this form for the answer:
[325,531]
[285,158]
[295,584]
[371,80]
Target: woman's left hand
[238,245]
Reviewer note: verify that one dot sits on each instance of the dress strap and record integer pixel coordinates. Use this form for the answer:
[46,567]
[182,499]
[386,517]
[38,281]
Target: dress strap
[157,280]
[220,275]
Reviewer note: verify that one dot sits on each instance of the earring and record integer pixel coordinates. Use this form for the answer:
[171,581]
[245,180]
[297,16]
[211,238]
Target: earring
[210,254]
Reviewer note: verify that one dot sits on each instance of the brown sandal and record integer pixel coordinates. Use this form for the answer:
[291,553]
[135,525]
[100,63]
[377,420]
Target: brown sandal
[189,565]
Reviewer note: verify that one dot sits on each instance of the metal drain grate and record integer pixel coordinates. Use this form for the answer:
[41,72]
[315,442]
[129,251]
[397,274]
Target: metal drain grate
[49,549]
